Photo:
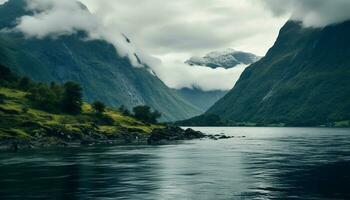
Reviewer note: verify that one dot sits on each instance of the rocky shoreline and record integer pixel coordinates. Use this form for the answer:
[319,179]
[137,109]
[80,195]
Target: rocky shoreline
[56,137]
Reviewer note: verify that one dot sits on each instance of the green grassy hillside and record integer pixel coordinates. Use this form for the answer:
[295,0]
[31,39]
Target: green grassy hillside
[22,120]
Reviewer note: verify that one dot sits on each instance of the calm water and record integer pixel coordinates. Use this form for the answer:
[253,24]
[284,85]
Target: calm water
[269,163]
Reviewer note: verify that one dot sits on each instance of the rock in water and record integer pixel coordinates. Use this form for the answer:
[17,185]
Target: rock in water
[172,134]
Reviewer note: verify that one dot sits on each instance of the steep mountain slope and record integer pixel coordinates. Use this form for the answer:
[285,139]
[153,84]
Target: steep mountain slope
[226,59]
[203,100]
[94,64]
[303,80]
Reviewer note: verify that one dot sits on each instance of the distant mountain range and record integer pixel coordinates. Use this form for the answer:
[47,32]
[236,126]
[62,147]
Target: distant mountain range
[224,59]
[302,81]
[94,64]
[203,100]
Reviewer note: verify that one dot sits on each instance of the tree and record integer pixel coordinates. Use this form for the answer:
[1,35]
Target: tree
[124,111]
[43,98]
[99,107]
[72,98]
[58,90]
[145,114]
[5,73]
[155,116]
[6,76]
[25,83]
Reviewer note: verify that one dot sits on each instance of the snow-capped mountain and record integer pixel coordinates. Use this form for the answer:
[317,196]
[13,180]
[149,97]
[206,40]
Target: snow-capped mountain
[225,59]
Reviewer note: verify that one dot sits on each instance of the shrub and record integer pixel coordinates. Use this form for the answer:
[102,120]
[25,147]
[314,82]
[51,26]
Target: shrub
[98,107]
[58,90]
[24,83]
[43,98]
[103,119]
[2,98]
[122,109]
[25,109]
[72,98]
[7,78]
[145,114]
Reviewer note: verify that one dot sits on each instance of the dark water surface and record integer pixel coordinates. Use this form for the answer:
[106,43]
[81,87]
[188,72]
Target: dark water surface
[269,163]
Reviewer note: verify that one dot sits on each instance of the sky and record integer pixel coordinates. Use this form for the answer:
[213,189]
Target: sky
[165,33]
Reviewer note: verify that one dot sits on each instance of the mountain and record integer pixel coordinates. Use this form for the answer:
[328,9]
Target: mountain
[94,64]
[217,59]
[202,99]
[302,81]
[225,59]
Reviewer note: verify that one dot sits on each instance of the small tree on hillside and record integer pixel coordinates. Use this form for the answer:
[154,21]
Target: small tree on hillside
[6,76]
[98,107]
[58,90]
[72,98]
[155,115]
[43,98]
[25,83]
[124,110]
[145,114]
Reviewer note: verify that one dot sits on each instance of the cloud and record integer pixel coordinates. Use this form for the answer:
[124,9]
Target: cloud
[168,32]
[205,78]
[3,1]
[313,13]
[174,31]
[192,26]
[66,17]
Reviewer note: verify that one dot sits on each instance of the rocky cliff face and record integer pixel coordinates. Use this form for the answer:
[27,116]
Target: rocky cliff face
[303,80]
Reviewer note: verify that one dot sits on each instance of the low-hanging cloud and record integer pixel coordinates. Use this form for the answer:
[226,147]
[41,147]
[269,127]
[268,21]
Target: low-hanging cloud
[53,18]
[204,78]
[179,29]
[313,13]
[3,1]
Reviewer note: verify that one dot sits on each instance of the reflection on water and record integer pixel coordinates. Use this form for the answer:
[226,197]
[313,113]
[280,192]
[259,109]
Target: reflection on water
[270,163]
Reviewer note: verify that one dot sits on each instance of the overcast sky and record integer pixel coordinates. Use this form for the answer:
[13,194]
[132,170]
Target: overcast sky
[165,33]
[185,28]
[174,31]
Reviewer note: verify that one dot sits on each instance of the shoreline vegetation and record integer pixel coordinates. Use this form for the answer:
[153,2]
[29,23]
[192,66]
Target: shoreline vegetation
[38,115]
[212,120]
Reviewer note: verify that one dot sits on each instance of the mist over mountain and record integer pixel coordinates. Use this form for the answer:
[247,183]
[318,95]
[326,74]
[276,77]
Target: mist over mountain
[102,71]
[302,81]
[311,13]
[228,59]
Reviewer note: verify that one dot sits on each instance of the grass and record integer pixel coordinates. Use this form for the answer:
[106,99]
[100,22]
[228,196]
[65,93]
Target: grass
[21,121]
[342,124]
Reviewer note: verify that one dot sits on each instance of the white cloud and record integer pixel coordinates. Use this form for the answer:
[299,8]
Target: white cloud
[191,26]
[176,74]
[172,31]
[3,1]
[313,13]
[65,17]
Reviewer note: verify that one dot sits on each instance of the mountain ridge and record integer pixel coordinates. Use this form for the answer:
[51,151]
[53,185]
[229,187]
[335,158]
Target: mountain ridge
[94,64]
[302,81]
